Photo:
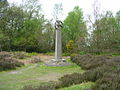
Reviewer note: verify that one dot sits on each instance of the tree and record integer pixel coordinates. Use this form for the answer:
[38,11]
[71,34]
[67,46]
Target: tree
[104,35]
[25,28]
[74,26]
[58,8]
[3,4]
[11,21]
[118,19]
[32,8]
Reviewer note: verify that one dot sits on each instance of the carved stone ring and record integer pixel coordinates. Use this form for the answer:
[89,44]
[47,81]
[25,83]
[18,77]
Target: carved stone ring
[58,24]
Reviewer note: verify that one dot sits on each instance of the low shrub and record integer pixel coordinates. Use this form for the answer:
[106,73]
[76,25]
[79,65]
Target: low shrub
[90,75]
[5,54]
[104,70]
[19,55]
[40,87]
[90,61]
[66,54]
[70,79]
[50,53]
[8,62]
[31,54]
[109,81]
[77,78]
[36,59]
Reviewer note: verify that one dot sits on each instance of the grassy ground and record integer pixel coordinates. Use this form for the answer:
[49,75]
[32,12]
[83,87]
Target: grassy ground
[33,74]
[79,87]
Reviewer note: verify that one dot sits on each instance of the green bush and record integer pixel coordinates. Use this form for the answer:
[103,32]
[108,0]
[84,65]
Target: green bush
[32,54]
[66,54]
[70,46]
[50,53]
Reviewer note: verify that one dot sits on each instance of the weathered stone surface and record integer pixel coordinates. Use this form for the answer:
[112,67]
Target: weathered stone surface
[58,61]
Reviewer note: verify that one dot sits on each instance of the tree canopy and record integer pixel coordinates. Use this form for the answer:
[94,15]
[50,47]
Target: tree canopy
[25,28]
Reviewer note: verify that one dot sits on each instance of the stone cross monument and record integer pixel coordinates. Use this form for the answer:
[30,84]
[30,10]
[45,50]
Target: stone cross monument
[58,42]
[58,61]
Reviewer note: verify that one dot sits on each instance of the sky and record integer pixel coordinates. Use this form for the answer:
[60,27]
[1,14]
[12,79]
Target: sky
[68,5]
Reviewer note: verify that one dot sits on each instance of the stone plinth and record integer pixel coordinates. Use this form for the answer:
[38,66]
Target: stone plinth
[55,62]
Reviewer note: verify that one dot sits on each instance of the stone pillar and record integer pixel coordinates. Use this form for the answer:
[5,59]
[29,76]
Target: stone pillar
[58,42]
[58,45]
[58,61]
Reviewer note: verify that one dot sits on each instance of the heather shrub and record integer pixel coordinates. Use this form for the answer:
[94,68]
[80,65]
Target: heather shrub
[70,79]
[36,59]
[19,55]
[90,61]
[104,70]
[109,81]
[46,86]
[8,62]
[77,78]
[90,75]
[5,54]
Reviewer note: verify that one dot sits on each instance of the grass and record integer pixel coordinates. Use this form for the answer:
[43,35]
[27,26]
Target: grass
[79,86]
[53,53]
[32,54]
[30,74]
[50,53]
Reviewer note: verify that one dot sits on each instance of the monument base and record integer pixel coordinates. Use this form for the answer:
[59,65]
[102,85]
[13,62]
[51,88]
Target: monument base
[54,62]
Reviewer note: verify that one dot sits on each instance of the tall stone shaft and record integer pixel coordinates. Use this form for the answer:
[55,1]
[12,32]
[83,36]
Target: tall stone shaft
[58,45]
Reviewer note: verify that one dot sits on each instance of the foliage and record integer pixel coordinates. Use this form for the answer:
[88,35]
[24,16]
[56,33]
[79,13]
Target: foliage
[8,62]
[110,81]
[81,86]
[70,46]
[32,54]
[67,80]
[57,13]
[66,54]
[105,33]
[104,70]
[19,55]
[47,86]
[25,28]
[50,53]
[74,27]
[90,61]
[35,59]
